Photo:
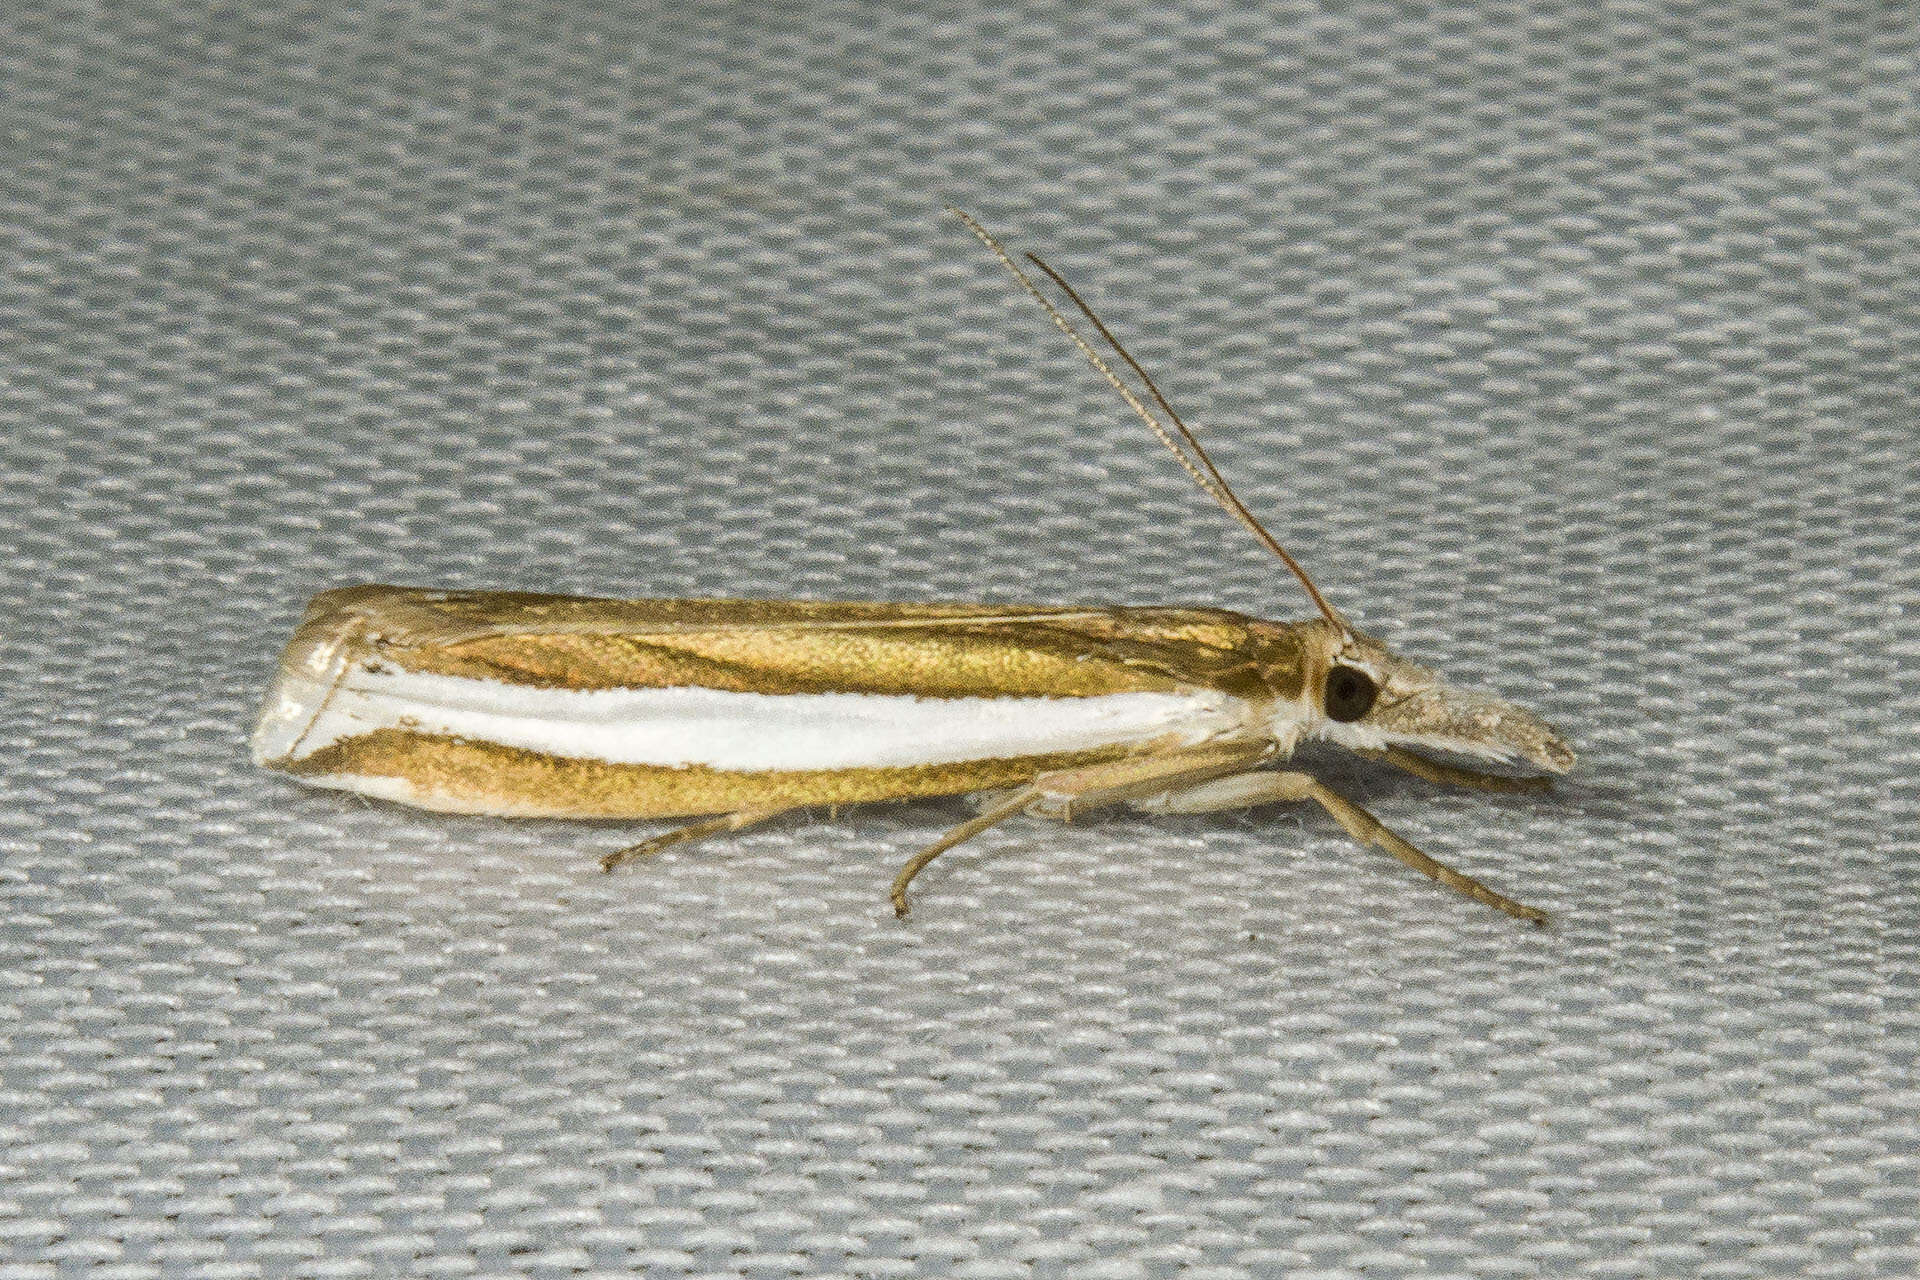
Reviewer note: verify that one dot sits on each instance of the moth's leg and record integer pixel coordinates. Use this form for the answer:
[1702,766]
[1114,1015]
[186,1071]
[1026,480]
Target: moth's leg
[1235,791]
[692,831]
[1243,789]
[959,835]
[1453,775]
[1064,793]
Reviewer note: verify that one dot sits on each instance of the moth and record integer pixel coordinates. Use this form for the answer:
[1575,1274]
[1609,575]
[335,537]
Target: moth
[735,712]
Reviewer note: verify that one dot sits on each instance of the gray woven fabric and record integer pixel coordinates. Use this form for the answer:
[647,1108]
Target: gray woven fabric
[1573,347]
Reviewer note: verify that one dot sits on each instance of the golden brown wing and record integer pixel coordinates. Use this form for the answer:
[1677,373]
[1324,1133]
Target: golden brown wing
[782,646]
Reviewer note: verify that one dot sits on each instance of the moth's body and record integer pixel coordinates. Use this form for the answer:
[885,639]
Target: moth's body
[558,706]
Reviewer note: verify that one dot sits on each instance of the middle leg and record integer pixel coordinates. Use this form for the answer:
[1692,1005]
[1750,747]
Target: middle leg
[1066,792]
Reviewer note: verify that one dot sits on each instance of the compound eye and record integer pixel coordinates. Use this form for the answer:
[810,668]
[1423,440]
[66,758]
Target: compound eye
[1350,693]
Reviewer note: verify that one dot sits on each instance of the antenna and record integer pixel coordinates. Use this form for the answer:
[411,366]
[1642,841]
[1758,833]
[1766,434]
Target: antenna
[1180,440]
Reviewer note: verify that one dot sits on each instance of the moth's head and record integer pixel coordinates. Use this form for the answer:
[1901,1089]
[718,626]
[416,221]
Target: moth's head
[1366,697]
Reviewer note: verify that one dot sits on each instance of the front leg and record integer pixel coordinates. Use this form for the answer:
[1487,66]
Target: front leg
[1240,790]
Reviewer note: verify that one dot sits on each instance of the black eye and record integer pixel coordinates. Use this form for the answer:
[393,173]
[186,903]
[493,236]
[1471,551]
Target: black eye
[1350,693]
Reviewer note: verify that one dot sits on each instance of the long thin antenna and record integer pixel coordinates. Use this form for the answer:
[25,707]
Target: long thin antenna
[1180,440]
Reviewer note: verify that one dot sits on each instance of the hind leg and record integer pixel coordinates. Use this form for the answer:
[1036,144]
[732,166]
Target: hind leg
[737,821]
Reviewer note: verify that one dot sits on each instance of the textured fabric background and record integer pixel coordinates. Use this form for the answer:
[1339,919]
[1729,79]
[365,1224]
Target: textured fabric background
[1574,346]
